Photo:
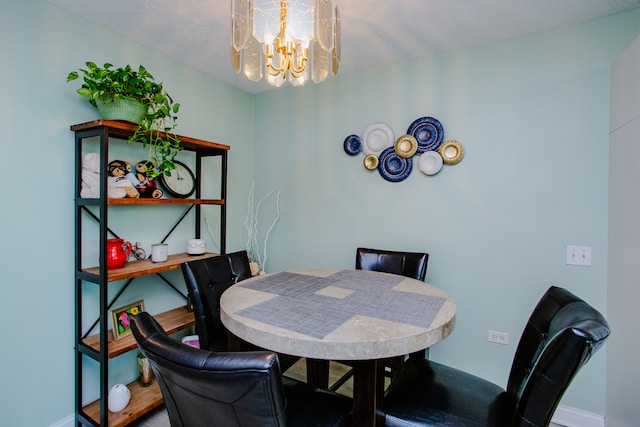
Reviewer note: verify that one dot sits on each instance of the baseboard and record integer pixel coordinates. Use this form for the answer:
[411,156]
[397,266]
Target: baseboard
[65,422]
[572,417]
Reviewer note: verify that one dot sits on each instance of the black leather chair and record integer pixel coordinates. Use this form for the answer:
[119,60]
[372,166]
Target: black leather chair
[409,264]
[206,280]
[240,265]
[207,389]
[561,335]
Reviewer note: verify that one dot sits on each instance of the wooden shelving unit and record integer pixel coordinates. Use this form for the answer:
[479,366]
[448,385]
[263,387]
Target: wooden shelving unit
[100,346]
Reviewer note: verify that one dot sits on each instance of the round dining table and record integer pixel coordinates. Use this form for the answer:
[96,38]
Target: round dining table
[356,315]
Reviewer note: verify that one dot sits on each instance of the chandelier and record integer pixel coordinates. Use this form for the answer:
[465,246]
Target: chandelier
[281,40]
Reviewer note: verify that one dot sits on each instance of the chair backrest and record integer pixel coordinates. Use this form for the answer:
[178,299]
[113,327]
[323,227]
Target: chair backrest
[203,388]
[240,265]
[562,333]
[206,280]
[409,264]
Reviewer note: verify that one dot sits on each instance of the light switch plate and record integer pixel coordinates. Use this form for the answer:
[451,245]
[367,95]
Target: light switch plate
[579,255]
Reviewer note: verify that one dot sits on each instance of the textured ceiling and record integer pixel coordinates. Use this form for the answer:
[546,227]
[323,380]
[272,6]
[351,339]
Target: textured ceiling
[374,32]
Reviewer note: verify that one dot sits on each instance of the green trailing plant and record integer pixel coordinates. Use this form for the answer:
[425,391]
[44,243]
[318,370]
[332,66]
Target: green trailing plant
[107,84]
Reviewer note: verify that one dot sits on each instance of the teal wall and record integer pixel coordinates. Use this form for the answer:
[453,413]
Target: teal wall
[532,114]
[40,43]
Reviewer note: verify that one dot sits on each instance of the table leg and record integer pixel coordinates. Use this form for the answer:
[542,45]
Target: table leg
[233,342]
[368,393]
[318,372]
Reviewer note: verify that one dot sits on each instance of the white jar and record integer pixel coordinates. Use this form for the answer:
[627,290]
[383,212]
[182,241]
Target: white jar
[119,396]
[159,252]
[196,247]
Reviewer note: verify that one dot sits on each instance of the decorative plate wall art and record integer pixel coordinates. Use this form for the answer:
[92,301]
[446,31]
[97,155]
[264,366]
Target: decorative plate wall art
[370,161]
[352,145]
[451,151]
[406,146]
[376,138]
[430,163]
[428,132]
[393,158]
[392,167]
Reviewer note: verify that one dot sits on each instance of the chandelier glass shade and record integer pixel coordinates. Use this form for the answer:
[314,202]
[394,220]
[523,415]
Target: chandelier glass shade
[281,40]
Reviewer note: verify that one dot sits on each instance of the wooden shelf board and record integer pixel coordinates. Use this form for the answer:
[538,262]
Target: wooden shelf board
[172,321]
[128,127]
[143,400]
[146,266]
[140,201]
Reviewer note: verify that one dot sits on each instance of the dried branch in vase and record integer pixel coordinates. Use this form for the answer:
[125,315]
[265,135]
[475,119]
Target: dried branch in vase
[258,254]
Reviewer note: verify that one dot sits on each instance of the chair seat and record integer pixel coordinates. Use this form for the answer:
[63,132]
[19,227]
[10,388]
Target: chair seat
[427,393]
[561,335]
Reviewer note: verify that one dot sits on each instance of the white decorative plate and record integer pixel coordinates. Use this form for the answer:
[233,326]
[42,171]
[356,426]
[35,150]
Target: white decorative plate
[430,162]
[376,137]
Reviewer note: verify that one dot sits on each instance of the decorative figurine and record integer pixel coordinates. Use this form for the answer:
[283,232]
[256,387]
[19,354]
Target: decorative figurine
[120,174]
[147,188]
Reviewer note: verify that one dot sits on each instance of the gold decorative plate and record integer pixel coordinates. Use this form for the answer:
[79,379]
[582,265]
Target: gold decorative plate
[370,161]
[406,146]
[451,151]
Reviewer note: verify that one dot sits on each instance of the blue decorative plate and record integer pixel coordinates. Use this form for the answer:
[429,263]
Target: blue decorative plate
[428,132]
[393,167]
[352,145]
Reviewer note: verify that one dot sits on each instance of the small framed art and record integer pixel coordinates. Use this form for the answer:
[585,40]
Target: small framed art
[121,319]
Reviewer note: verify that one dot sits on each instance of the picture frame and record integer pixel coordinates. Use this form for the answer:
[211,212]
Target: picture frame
[120,319]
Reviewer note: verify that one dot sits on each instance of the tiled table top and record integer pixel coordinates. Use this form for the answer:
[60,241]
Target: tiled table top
[338,314]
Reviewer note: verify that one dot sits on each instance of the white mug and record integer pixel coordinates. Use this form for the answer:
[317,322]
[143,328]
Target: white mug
[159,252]
[196,247]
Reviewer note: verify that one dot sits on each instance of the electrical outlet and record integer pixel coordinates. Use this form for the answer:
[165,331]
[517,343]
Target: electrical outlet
[498,337]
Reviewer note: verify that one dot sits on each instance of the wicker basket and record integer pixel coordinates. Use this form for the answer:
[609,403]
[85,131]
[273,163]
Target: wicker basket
[122,109]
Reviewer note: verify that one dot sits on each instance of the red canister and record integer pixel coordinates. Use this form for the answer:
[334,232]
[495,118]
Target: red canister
[118,252]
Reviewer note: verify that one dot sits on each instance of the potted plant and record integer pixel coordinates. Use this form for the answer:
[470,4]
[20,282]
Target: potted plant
[111,90]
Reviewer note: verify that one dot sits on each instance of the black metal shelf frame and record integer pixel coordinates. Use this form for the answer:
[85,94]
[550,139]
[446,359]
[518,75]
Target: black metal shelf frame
[104,132]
